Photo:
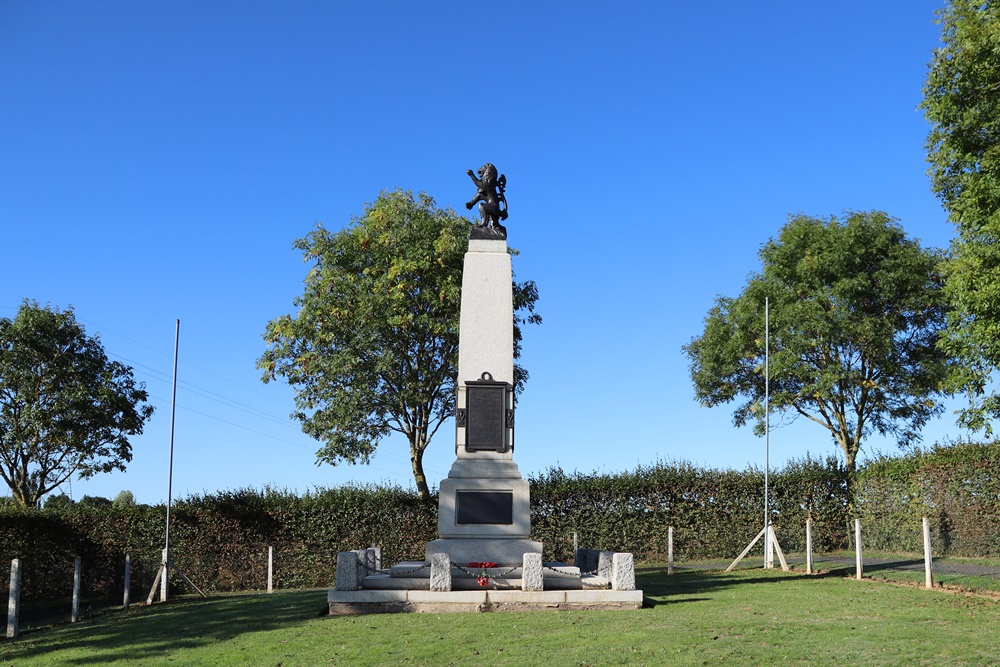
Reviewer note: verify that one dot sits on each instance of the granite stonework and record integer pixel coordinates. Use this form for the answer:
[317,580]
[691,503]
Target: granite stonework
[484,513]
[532,578]
[374,601]
[485,353]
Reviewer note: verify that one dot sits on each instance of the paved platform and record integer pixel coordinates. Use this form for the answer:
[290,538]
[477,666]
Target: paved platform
[435,602]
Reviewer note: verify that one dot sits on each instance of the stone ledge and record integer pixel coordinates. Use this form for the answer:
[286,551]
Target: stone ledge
[366,596]
[412,601]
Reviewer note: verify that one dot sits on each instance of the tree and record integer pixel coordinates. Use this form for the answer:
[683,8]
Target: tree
[124,499]
[962,103]
[64,407]
[856,309]
[373,348]
[59,502]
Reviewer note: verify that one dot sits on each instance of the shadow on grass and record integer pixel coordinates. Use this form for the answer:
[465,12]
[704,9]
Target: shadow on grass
[690,586]
[144,632]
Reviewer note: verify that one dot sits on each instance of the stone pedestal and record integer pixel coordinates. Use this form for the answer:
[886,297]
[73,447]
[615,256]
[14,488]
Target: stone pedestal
[484,512]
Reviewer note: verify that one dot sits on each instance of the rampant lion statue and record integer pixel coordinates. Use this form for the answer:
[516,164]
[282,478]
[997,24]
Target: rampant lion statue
[490,195]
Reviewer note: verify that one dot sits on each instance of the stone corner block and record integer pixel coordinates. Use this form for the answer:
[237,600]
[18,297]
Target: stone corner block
[347,571]
[622,572]
[532,578]
[604,564]
[440,572]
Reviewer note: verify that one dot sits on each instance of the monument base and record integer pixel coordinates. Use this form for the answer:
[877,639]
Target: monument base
[505,552]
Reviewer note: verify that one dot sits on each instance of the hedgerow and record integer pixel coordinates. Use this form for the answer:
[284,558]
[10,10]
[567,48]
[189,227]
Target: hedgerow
[221,540]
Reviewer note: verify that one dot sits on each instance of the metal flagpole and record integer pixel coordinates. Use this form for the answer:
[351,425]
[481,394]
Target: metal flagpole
[767,532]
[170,473]
[768,551]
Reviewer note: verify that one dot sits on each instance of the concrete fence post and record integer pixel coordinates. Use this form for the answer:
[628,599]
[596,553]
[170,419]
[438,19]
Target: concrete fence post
[75,613]
[857,548]
[270,569]
[14,601]
[670,550]
[128,581]
[164,582]
[928,572]
[809,546]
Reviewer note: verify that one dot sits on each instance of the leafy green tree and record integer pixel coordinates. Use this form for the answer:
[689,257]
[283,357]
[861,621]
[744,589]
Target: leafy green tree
[124,499]
[373,348]
[95,501]
[59,502]
[962,103]
[856,309]
[64,407]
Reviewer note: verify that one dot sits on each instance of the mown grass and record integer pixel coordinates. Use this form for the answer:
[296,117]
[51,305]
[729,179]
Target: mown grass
[693,618]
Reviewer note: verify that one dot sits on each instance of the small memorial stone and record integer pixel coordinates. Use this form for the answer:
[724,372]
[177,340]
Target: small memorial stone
[347,571]
[440,572]
[623,572]
[532,578]
[604,564]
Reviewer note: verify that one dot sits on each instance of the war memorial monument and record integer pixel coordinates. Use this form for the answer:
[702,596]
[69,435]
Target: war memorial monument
[484,558]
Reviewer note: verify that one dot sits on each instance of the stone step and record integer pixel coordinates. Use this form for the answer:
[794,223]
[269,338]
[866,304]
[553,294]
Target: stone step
[420,570]
[383,581]
[383,601]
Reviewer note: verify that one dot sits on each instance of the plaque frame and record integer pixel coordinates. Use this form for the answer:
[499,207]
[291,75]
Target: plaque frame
[477,508]
[487,418]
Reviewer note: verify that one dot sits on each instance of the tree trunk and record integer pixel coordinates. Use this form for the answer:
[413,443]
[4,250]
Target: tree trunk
[417,461]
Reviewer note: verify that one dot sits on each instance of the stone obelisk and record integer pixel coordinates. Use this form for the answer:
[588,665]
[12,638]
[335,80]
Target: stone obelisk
[484,511]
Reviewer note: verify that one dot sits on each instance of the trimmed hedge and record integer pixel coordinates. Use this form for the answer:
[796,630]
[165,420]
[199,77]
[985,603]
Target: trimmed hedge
[715,513]
[956,486]
[221,540]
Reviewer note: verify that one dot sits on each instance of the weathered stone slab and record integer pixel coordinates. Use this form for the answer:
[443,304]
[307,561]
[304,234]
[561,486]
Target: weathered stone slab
[592,581]
[531,577]
[440,573]
[385,582]
[505,552]
[586,560]
[604,596]
[462,597]
[604,564]
[366,596]
[347,571]
[623,572]
[411,569]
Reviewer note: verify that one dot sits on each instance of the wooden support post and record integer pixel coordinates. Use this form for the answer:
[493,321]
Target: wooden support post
[128,581]
[14,600]
[576,546]
[928,571]
[270,569]
[670,550]
[809,546]
[857,548]
[75,613]
[156,584]
[761,534]
[186,580]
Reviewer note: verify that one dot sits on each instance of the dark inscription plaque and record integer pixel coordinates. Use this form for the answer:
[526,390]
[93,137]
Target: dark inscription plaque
[485,507]
[487,418]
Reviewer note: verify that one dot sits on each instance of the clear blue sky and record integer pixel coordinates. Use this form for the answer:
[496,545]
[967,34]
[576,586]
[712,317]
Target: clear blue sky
[157,160]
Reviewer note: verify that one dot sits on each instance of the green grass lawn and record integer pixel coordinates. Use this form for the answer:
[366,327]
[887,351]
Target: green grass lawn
[694,618]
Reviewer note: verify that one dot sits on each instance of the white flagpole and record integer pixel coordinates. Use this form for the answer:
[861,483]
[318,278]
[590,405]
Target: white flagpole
[170,473]
[768,548]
